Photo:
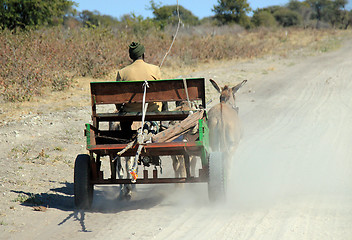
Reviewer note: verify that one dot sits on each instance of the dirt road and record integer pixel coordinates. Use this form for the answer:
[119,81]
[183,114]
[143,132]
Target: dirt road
[291,176]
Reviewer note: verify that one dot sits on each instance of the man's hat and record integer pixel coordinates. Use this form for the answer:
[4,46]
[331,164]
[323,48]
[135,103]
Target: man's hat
[136,50]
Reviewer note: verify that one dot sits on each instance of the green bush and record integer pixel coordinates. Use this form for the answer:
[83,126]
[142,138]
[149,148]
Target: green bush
[263,18]
[22,14]
[286,17]
[169,15]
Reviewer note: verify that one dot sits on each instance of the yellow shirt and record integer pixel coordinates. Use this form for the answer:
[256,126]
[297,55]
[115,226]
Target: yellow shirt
[139,70]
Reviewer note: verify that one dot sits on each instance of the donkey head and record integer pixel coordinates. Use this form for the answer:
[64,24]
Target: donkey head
[227,94]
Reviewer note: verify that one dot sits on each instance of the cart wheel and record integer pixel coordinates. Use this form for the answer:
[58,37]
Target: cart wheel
[217,178]
[83,190]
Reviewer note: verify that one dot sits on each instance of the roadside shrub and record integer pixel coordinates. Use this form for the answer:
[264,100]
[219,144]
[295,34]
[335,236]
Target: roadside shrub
[29,63]
[50,58]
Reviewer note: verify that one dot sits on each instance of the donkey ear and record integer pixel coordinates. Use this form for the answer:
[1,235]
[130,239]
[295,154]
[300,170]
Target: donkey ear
[215,85]
[238,86]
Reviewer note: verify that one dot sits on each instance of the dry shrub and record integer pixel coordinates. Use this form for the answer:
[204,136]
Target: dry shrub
[191,50]
[51,58]
[28,64]
[32,60]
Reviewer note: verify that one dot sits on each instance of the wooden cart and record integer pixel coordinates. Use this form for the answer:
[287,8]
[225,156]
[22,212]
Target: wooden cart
[88,171]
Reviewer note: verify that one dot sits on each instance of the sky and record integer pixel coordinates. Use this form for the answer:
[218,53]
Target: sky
[199,8]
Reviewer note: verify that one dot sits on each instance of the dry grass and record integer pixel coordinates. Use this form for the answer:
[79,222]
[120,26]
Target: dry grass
[190,53]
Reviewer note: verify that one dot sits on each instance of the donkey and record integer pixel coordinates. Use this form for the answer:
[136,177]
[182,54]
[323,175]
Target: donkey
[224,129]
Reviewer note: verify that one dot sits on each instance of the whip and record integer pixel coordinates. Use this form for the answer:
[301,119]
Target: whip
[174,38]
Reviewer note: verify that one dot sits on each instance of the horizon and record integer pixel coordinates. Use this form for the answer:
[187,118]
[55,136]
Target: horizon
[199,8]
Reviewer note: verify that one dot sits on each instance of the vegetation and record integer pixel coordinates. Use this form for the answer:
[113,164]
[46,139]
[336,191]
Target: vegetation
[2,223]
[287,18]
[310,13]
[264,18]
[29,198]
[166,15]
[46,47]
[95,19]
[303,9]
[328,10]
[229,11]
[21,14]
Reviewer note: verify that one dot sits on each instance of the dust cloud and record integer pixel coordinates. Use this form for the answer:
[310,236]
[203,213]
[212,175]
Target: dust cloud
[299,155]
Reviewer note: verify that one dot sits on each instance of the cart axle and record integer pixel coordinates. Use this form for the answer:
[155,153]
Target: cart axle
[150,181]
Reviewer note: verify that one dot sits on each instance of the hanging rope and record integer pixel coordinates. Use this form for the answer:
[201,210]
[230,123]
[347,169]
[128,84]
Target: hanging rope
[145,105]
[174,38]
[141,134]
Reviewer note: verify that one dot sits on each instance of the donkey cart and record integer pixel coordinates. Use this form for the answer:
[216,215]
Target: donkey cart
[188,137]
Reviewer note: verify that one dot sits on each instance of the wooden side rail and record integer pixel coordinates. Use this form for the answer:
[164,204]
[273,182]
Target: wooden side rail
[137,116]
[152,149]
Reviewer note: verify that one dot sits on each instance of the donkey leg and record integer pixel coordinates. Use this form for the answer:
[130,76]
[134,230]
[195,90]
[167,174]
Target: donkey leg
[120,172]
[193,163]
[175,165]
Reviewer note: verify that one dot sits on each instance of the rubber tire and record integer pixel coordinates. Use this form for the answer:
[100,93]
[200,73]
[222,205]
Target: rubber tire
[83,190]
[217,178]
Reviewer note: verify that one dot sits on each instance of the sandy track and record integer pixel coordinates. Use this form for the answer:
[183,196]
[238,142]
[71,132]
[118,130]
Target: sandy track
[291,176]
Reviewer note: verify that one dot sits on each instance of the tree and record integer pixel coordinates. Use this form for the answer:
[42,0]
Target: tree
[336,13]
[89,19]
[95,19]
[303,8]
[22,13]
[232,11]
[139,26]
[331,11]
[286,17]
[271,9]
[318,7]
[168,14]
[349,19]
[263,18]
